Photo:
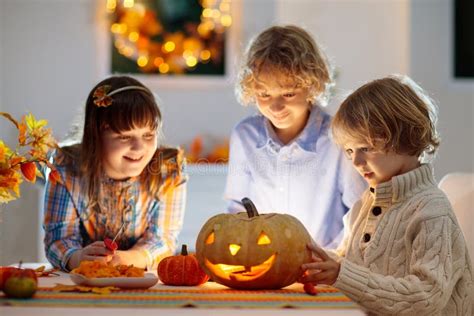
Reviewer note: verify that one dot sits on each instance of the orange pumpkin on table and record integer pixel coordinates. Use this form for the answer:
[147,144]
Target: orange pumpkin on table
[182,269]
[253,251]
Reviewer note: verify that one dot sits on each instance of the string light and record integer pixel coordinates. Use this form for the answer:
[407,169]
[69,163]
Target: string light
[142,61]
[135,29]
[128,3]
[169,46]
[205,54]
[111,5]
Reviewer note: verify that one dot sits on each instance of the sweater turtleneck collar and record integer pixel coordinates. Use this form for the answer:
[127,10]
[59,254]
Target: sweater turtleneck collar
[403,186]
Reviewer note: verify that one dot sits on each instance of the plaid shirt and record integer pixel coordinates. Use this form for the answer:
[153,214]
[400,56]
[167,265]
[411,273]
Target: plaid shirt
[151,224]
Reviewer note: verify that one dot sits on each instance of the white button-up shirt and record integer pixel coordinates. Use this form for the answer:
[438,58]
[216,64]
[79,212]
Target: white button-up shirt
[309,178]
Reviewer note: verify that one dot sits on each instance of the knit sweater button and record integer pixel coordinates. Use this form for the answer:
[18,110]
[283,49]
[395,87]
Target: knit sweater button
[366,237]
[377,210]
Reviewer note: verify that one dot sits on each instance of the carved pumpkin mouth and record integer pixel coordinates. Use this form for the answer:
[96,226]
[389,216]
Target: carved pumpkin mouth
[239,272]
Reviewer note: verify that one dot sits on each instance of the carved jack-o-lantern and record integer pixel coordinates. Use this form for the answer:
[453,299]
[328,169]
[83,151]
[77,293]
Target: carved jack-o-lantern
[252,251]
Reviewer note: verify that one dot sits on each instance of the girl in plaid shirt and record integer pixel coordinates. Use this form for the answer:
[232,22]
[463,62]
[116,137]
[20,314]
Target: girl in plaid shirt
[116,181]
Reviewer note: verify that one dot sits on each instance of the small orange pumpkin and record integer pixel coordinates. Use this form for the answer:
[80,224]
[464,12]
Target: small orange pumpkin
[182,269]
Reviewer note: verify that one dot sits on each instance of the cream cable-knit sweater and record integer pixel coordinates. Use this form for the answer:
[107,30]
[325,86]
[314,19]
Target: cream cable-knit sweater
[404,252]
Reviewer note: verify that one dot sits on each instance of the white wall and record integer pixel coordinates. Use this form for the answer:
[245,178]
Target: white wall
[431,51]
[47,66]
[1,67]
[364,39]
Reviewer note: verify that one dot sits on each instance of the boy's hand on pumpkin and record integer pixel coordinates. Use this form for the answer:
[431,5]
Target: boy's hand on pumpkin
[323,269]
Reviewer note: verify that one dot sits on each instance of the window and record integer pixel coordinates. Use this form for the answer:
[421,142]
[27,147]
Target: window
[169,37]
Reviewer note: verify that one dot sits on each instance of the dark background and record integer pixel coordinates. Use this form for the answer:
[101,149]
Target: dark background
[464,38]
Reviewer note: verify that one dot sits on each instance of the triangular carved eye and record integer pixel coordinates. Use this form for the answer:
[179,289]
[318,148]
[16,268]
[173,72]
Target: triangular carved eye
[210,239]
[263,239]
[234,248]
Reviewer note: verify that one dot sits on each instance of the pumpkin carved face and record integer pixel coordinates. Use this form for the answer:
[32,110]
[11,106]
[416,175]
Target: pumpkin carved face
[248,251]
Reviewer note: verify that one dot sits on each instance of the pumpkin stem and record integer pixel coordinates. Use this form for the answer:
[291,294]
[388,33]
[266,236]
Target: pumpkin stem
[184,250]
[250,207]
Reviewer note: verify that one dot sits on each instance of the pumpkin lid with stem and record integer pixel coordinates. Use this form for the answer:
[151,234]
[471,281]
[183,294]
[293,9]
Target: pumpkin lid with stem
[184,250]
[250,207]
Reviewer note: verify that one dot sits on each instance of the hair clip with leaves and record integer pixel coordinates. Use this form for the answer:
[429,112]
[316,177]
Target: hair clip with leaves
[102,96]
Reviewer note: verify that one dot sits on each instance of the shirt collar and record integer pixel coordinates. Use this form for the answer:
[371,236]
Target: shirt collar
[119,183]
[306,140]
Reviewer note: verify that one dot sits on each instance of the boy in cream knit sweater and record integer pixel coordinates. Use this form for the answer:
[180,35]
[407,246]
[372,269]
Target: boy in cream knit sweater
[403,252]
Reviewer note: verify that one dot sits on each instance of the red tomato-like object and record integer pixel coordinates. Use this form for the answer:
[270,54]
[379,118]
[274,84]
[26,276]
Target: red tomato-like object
[22,283]
[310,289]
[5,273]
[110,244]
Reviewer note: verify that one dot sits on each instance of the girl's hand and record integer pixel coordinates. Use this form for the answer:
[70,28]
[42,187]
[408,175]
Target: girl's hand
[128,257]
[96,252]
[93,252]
[323,270]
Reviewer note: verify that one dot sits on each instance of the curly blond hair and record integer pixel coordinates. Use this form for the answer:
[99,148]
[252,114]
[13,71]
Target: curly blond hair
[391,113]
[293,52]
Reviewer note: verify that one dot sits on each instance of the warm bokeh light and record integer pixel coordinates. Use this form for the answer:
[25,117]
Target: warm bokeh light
[207,13]
[169,46]
[205,54]
[139,35]
[133,36]
[128,3]
[216,13]
[191,61]
[210,25]
[226,20]
[142,61]
[208,3]
[119,44]
[164,68]
[224,7]
[116,28]
[111,5]
[128,51]
[187,53]
[158,61]
[203,30]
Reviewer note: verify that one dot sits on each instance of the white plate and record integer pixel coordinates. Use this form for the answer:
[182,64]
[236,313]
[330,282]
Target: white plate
[34,265]
[122,282]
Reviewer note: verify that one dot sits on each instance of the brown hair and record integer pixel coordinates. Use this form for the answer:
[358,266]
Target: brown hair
[290,50]
[392,113]
[129,109]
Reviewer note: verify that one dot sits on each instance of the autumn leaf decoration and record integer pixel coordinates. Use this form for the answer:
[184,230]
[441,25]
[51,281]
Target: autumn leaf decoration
[34,143]
[101,99]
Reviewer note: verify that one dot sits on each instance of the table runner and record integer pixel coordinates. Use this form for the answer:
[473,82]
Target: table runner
[327,298]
